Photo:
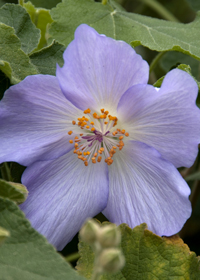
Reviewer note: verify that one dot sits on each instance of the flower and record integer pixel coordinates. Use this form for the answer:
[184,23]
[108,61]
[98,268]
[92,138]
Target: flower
[100,108]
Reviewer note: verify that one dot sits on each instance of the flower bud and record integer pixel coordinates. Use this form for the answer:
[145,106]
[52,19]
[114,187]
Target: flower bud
[88,232]
[3,234]
[109,236]
[111,260]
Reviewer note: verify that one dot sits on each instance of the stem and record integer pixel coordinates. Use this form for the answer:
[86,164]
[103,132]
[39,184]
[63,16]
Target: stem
[5,172]
[160,9]
[156,60]
[73,257]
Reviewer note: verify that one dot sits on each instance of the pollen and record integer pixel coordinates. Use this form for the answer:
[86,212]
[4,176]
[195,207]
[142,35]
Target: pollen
[98,141]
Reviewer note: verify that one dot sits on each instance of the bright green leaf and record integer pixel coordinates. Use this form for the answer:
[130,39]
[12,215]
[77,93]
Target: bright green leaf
[17,17]
[192,177]
[6,69]
[26,255]
[3,235]
[148,257]
[13,61]
[42,19]
[47,4]
[136,29]
[46,59]
[14,191]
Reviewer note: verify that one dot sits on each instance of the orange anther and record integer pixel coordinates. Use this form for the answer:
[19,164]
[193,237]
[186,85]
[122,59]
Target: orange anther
[76,137]
[81,134]
[87,111]
[73,122]
[110,162]
[121,143]
[99,159]
[121,137]
[95,155]
[123,131]
[86,163]
[70,132]
[114,147]
[102,110]
[76,145]
[92,129]
[92,123]
[87,126]
[71,141]
[126,134]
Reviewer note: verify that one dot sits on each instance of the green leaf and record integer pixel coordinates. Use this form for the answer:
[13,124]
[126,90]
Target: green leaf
[148,257]
[156,34]
[42,19]
[172,59]
[3,235]
[17,17]
[195,4]
[48,4]
[26,255]
[14,191]
[46,59]
[192,177]
[13,61]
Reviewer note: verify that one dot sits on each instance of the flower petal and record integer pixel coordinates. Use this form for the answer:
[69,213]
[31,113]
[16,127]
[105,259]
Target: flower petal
[34,120]
[62,194]
[145,188]
[167,120]
[98,70]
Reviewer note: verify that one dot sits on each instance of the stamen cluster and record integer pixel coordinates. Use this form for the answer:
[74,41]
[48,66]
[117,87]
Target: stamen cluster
[97,138]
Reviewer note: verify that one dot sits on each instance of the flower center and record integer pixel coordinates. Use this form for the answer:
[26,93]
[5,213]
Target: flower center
[97,138]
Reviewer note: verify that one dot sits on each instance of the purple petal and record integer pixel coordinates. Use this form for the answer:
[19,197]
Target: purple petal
[145,188]
[167,120]
[34,120]
[62,194]
[98,70]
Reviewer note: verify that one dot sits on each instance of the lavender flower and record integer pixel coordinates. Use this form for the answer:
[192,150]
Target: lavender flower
[97,138]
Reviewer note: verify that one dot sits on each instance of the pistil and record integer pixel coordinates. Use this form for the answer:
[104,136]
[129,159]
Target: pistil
[97,137]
